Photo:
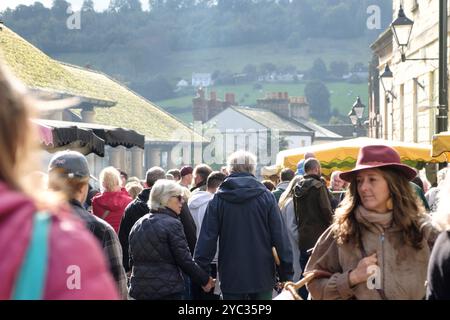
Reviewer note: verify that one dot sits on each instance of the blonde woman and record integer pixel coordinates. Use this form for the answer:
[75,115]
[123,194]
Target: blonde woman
[34,221]
[111,203]
[288,214]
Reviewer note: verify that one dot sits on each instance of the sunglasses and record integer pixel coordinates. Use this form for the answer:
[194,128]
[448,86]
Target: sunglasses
[179,197]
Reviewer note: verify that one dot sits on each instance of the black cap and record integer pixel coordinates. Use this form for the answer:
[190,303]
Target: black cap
[73,163]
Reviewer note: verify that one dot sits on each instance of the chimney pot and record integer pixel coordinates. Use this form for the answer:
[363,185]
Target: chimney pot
[232,99]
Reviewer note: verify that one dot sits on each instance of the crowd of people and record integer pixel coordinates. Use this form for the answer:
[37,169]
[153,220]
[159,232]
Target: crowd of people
[199,234]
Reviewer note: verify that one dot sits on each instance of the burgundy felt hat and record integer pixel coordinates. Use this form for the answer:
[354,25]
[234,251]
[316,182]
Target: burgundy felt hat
[380,156]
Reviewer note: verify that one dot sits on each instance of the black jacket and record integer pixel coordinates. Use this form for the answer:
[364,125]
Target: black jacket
[245,217]
[312,210]
[439,269]
[133,212]
[158,252]
[137,209]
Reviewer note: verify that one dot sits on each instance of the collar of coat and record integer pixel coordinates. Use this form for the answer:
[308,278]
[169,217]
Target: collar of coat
[167,211]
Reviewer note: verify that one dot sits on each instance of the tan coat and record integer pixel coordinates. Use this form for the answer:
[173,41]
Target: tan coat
[403,268]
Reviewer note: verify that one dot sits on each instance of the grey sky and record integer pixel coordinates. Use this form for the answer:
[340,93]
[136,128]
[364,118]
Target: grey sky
[99,5]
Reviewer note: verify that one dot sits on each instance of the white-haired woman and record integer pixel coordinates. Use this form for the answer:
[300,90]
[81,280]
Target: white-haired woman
[111,203]
[439,266]
[159,249]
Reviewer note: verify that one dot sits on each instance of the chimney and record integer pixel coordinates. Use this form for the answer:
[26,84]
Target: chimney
[286,95]
[280,95]
[213,96]
[230,98]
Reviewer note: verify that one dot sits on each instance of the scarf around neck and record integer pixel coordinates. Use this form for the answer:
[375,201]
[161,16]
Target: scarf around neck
[380,220]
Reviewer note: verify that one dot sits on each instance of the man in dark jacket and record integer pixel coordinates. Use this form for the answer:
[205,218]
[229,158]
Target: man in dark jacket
[246,217]
[69,173]
[313,211]
[138,208]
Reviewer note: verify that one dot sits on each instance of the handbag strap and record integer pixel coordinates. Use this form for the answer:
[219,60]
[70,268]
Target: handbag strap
[364,254]
[32,275]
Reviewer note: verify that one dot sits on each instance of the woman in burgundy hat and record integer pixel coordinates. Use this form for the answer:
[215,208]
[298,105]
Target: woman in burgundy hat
[379,244]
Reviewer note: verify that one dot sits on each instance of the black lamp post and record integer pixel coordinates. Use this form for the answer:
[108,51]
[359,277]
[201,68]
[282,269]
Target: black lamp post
[401,28]
[442,118]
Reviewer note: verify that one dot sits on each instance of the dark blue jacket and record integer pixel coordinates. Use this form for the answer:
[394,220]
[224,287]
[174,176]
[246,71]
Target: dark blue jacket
[245,217]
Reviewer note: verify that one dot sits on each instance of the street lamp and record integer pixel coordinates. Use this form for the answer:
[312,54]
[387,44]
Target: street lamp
[359,108]
[356,114]
[387,80]
[402,27]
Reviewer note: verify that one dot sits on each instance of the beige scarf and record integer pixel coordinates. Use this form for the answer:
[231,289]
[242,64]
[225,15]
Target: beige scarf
[380,220]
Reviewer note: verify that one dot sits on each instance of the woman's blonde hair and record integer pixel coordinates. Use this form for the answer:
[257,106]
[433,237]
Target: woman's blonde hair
[110,179]
[289,192]
[407,211]
[133,188]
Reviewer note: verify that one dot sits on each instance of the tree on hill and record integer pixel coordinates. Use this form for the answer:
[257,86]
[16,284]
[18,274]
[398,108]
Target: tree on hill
[125,6]
[59,8]
[88,5]
[318,97]
[339,68]
[318,71]
[267,67]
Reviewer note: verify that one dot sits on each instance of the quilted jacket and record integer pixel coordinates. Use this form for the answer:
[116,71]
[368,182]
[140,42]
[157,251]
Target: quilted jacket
[158,253]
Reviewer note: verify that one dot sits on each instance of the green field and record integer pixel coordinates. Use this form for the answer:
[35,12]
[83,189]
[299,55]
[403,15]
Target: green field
[182,64]
[342,96]
[234,59]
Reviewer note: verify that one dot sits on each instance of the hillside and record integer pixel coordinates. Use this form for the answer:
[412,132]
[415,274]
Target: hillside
[182,64]
[150,51]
